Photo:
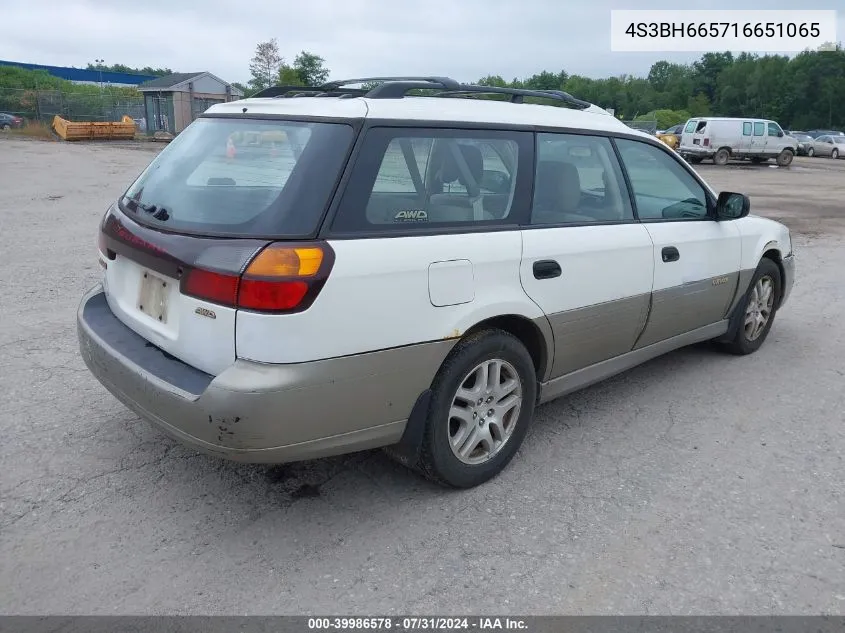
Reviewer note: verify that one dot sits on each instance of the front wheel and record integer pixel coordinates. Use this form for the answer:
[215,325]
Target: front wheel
[834,154]
[5,126]
[481,407]
[811,152]
[757,311]
[784,159]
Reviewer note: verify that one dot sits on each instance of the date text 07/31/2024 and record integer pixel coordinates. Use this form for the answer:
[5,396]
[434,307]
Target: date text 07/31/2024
[409,623]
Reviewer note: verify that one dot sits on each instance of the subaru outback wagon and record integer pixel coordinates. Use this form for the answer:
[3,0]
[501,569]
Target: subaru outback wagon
[320,271]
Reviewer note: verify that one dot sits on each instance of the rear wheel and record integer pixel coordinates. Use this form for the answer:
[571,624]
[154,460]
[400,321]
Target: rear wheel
[785,158]
[5,126]
[834,154]
[757,311]
[481,406]
[721,157]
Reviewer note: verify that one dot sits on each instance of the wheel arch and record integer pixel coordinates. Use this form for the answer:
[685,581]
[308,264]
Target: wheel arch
[535,334]
[772,251]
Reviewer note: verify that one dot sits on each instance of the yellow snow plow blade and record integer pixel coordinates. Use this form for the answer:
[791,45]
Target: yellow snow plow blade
[94,130]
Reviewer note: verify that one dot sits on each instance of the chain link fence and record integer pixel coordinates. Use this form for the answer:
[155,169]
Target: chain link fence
[43,105]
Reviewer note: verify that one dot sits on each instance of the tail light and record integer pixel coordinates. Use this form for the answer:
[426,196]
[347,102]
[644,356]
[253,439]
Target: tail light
[706,142]
[279,278]
[102,246]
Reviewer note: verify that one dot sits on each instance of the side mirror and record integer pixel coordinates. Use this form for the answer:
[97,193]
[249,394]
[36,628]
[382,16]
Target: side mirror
[780,133]
[732,206]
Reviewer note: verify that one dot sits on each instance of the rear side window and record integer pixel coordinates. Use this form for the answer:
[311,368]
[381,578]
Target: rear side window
[759,128]
[746,128]
[578,180]
[417,178]
[242,177]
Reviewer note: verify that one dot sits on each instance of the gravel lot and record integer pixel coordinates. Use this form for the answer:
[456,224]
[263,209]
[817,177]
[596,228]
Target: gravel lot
[696,484]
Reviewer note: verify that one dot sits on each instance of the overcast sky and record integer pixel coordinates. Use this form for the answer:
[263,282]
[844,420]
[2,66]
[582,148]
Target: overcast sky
[465,39]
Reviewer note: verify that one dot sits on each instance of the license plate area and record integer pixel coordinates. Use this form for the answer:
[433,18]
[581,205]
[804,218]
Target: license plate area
[152,299]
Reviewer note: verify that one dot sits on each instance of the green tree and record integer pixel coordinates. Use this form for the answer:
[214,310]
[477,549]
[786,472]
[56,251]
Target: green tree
[288,76]
[265,64]
[122,68]
[311,69]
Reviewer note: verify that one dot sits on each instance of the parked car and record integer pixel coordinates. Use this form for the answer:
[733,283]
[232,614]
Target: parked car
[422,292]
[829,146]
[818,133]
[8,121]
[721,139]
[804,141]
[672,136]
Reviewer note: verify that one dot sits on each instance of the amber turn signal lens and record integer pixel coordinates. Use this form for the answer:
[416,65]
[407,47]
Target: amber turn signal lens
[284,261]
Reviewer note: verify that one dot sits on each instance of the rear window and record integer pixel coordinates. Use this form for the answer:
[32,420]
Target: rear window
[242,177]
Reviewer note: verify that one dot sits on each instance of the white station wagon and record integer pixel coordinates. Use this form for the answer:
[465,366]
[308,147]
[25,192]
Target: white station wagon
[320,271]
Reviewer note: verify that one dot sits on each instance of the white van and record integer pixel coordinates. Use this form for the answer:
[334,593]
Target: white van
[721,139]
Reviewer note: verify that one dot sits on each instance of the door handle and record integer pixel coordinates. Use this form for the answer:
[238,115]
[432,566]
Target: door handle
[546,269]
[670,254]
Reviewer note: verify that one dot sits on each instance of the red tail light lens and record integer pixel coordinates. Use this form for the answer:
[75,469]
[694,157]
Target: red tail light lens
[706,142]
[211,286]
[280,278]
[275,296]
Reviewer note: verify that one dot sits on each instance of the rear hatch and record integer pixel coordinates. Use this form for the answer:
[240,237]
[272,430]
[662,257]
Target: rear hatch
[222,220]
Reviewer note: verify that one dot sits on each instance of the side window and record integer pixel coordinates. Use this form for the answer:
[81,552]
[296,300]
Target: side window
[397,173]
[746,128]
[774,129]
[433,177]
[759,128]
[663,188]
[690,128]
[578,180]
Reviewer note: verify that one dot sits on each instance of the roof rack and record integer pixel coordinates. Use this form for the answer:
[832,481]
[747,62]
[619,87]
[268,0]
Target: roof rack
[308,91]
[399,87]
[517,94]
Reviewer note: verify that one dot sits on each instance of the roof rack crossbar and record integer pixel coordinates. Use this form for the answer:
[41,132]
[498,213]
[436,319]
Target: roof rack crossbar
[436,82]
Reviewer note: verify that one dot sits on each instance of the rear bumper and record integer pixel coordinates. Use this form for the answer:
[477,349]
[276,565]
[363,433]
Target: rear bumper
[256,412]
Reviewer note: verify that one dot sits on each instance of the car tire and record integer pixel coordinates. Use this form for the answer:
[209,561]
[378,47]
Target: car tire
[834,154]
[5,126]
[760,301]
[721,157]
[472,433]
[784,159]
[811,152]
